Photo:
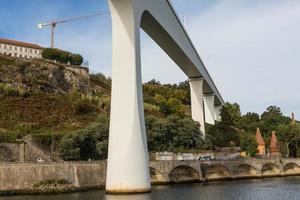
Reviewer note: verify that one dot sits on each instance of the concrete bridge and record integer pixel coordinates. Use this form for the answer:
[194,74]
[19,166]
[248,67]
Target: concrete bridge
[127,151]
[197,171]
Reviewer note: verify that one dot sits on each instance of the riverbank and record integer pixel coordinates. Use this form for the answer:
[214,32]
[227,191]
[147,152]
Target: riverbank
[66,177]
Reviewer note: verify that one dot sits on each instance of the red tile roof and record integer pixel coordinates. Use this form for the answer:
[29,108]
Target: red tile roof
[274,141]
[259,138]
[19,43]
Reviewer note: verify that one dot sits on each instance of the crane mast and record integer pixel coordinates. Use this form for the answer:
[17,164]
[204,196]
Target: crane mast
[53,23]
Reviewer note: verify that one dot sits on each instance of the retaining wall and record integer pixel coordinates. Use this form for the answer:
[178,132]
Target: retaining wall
[15,177]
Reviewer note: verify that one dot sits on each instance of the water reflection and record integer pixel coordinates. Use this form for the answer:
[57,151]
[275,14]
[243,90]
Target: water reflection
[260,189]
[128,197]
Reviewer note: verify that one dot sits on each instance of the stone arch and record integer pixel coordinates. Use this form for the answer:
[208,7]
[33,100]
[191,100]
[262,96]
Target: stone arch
[270,169]
[245,170]
[216,171]
[184,173]
[291,168]
[156,175]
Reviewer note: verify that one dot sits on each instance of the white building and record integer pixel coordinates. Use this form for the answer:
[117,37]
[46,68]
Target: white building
[20,49]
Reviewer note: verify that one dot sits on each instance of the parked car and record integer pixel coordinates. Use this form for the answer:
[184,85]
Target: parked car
[39,160]
[204,158]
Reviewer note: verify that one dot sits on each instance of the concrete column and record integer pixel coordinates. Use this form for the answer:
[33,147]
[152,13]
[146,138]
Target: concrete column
[209,108]
[127,165]
[196,87]
[218,113]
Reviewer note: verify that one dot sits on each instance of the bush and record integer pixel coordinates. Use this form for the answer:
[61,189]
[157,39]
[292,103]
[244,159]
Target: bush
[51,54]
[13,91]
[88,143]
[62,56]
[173,134]
[76,59]
[84,107]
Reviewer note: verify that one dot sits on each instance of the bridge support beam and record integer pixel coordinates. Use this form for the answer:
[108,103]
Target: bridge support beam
[218,113]
[127,167]
[196,88]
[209,109]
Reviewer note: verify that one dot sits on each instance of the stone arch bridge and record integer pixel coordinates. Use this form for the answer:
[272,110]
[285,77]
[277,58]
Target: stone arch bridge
[197,171]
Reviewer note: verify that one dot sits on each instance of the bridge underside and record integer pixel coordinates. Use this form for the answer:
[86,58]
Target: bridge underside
[127,169]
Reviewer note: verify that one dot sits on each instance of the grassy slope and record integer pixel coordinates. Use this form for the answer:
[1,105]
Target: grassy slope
[38,112]
[47,112]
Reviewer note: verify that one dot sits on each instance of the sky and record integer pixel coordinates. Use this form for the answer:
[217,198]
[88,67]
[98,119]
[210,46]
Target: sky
[250,47]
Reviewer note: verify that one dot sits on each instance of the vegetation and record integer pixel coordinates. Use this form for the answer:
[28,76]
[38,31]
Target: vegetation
[236,129]
[62,56]
[52,182]
[76,123]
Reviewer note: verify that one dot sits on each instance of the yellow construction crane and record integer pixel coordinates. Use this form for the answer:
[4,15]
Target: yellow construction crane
[53,23]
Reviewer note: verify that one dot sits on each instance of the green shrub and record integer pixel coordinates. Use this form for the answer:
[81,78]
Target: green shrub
[13,91]
[88,143]
[62,56]
[51,54]
[84,107]
[76,59]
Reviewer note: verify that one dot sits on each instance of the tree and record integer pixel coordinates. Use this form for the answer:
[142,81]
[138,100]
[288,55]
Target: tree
[76,59]
[222,135]
[62,56]
[248,143]
[290,136]
[271,119]
[88,143]
[231,114]
[51,54]
[250,121]
[173,134]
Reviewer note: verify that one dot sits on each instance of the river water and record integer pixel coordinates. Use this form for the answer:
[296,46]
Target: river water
[260,189]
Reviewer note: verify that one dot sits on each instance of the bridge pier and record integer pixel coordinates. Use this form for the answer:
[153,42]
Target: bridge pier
[209,109]
[127,167]
[197,105]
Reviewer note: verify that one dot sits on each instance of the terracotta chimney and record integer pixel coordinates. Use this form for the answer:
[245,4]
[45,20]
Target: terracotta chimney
[274,147]
[259,138]
[261,149]
[274,141]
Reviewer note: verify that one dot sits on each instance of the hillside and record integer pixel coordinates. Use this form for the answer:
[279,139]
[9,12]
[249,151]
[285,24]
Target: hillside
[42,98]
[68,107]
[39,96]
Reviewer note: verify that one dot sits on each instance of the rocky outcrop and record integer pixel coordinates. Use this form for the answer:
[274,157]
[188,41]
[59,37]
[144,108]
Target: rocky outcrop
[43,75]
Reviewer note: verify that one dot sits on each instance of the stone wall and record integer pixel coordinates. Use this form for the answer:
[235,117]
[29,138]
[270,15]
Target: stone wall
[20,152]
[9,152]
[22,176]
[15,177]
